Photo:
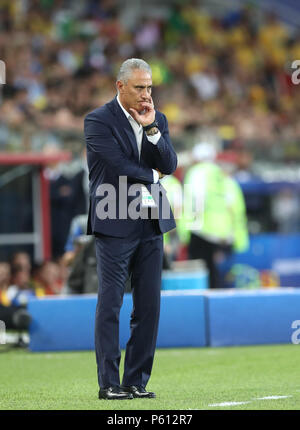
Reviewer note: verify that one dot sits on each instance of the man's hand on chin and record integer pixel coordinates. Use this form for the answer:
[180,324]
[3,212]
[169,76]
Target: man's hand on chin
[148,113]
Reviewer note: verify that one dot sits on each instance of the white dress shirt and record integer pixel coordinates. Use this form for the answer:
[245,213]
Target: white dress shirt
[138,132]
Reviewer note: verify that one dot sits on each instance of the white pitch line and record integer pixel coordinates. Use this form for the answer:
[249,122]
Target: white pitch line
[228,404]
[248,401]
[272,397]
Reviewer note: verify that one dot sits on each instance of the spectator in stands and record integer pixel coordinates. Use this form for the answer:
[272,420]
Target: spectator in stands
[63,274]
[230,67]
[12,312]
[22,260]
[47,278]
[4,280]
[20,290]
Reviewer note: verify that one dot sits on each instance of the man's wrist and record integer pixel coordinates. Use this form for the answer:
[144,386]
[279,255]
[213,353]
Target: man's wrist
[148,127]
[152,131]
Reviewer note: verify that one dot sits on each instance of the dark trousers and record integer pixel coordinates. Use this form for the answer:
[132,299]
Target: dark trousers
[140,254]
[200,248]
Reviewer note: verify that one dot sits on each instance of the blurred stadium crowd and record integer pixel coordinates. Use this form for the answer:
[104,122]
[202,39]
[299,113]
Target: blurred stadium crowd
[229,75]
[225,80]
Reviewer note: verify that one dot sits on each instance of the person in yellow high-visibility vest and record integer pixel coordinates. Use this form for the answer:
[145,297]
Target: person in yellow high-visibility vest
[214,212]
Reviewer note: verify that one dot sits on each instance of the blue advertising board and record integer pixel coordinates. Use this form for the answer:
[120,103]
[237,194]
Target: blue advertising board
[273,259]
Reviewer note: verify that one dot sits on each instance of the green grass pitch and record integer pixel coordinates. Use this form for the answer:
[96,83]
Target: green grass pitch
[251,377]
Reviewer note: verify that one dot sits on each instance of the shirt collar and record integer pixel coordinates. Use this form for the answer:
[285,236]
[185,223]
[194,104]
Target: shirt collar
[128,116]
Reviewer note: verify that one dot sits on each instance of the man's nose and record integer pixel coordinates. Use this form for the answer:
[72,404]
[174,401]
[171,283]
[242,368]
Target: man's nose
[145,94]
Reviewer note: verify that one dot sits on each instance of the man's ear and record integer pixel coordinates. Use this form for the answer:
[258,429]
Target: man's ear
[120,86]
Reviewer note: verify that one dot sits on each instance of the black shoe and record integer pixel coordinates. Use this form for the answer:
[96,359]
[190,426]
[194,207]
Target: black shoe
[139,392]
[114,393]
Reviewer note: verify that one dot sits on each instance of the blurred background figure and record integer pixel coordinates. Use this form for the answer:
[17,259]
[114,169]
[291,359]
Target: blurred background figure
[20,290]
[4,281]
[22,260]
[285,210]
[47,278]
[13,298]
[83,277]
[215,215]
[172,241]
[235,199]
[75,239]
[68,199]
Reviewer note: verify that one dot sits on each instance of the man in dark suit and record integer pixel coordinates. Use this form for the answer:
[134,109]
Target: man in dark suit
[128,151]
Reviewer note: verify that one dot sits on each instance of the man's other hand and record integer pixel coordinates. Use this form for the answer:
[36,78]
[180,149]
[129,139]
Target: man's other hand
[161,175]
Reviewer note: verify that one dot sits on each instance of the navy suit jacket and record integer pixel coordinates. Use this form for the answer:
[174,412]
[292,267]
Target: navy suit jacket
[112,153]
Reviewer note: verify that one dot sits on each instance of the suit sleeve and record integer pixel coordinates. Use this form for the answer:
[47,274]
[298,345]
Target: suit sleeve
[164,155]
[99,139]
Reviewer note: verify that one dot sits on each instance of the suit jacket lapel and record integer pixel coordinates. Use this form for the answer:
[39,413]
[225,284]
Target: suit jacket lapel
[124,126]
[144,145]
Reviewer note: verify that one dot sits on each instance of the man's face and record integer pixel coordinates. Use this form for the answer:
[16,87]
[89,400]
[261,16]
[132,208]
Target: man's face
[136,91]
